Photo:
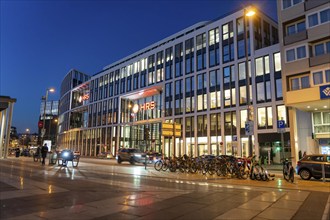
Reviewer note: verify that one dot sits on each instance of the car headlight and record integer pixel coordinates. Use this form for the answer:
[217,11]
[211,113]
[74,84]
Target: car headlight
[138,155]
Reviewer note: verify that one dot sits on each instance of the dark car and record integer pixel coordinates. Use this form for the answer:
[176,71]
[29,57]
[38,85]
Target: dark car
[131,155]
[311,166]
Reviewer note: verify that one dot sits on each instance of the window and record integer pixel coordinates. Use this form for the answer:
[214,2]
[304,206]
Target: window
[281,113]
[278,84]
[201,92]
[290,55]
[321,122]
[201,125]
[243,118]
[295,28]
[242,69]
[214,47]
[178,59]
[319,18]
[296,53]
[300,82]
[277,62]
[313,20]
[325,15]
[260,92]
[289,3]
[322,48]
[227,42]
[201,51]
[178,97]
[301,52]
[317,78]
[262,66]
[168,63]
[230,123]
[189,93]
[265,117]
[189,55]
[320,77]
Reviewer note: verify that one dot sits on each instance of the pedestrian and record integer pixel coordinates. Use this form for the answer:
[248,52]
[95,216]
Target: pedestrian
[304,154]
[44,151]
[299,155]
[17,150]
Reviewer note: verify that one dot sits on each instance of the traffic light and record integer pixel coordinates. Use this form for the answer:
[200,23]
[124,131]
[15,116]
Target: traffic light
[146,134]
[40,124]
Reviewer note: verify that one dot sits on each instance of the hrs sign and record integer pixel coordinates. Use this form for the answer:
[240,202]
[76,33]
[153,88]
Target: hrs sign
[148,105]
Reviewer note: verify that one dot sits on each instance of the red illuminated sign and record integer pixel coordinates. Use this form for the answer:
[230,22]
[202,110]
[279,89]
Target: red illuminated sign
[148,105]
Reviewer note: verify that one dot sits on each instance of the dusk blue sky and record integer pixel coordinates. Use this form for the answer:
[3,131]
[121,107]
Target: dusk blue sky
[42,40]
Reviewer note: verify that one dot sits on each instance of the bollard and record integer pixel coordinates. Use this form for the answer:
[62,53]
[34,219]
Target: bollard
[323,173]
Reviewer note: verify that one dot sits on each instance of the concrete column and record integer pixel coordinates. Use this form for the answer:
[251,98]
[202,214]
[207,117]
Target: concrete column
[2,134]
[11,107]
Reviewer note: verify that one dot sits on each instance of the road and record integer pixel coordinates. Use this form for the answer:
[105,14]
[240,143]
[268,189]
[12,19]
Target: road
[102,189]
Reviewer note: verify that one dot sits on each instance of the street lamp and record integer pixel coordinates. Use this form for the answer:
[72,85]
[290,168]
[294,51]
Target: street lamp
[43,131]
[248,12]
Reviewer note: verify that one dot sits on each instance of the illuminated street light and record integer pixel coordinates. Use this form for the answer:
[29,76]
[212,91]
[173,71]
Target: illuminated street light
[248,12]
[43,131]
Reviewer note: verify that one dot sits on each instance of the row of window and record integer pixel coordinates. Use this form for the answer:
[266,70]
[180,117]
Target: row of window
[303,81]
[193,53]
[109,89]
[314,19]
[300,52]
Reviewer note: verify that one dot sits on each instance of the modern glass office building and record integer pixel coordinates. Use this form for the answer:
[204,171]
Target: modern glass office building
[195,81]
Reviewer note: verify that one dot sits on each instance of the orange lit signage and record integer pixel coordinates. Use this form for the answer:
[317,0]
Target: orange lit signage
[85,97]
[148,105]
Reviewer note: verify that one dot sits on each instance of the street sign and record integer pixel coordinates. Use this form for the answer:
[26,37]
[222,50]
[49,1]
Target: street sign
[280,126]
[249,128]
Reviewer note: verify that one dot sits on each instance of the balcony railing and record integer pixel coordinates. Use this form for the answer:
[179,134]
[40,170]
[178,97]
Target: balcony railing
[293,38]
[313,4]
[319,60]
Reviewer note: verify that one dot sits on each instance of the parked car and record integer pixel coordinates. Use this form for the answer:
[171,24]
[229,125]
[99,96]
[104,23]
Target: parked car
[131,155]
[311,166]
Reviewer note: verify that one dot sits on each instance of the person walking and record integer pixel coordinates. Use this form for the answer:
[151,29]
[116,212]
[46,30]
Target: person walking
[44,151]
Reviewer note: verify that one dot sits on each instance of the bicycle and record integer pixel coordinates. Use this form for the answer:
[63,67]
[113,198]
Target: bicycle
[288,171]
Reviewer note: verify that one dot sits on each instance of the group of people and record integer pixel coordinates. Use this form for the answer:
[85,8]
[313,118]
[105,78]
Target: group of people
[43,152]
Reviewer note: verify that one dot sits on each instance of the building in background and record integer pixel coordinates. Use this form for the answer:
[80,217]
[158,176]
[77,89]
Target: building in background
[51,120]
[304,28]
[196,79]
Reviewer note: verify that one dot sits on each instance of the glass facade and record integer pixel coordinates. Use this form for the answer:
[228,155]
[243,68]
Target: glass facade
[196,81]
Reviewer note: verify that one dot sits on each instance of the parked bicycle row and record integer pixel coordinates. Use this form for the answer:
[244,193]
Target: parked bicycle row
[224,165]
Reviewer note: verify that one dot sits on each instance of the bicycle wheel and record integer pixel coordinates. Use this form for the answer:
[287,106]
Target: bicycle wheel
[291,175]
[158,165]
[286,174]
[243,173]
[193,167]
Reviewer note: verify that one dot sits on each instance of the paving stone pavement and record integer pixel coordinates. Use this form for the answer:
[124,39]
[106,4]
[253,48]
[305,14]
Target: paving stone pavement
[103,190]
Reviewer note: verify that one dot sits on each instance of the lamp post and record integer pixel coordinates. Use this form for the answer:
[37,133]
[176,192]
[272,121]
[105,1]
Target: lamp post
[27,134]
[248,12]
[43,131]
